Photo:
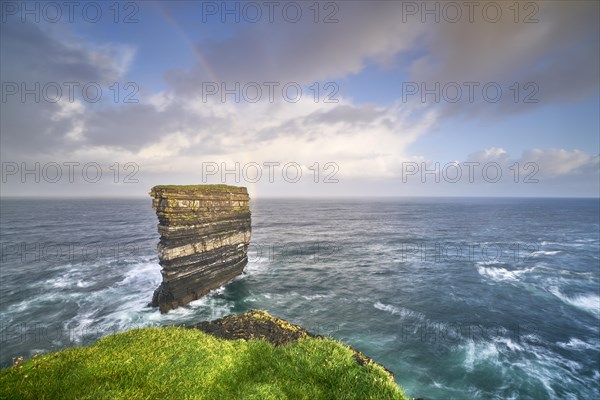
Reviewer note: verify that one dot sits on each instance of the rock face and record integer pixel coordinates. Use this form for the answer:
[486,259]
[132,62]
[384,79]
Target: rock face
[204,237]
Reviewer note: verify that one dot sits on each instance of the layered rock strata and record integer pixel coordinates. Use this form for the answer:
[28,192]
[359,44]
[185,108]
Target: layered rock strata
[204,237]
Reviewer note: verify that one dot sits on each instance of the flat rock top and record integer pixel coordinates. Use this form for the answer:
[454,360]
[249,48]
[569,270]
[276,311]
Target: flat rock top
[199,188]
[258,324]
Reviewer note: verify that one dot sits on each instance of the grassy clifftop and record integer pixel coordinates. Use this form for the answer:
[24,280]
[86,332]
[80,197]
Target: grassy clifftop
[183,363]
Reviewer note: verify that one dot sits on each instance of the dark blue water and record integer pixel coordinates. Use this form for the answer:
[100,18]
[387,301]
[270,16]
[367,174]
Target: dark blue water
[460,298]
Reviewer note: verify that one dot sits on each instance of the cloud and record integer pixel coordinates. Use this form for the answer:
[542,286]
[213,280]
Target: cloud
[304,52]
[302,132]
[30,54]
[558,54]
[544,164]
[555,163]
[35,53]
[495,154]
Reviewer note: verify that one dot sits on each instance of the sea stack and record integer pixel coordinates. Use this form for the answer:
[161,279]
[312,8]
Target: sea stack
[204,237]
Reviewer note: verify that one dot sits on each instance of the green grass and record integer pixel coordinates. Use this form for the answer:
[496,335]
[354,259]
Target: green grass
[180,363]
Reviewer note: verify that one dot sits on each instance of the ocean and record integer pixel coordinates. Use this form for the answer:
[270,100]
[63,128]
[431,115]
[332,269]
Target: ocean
[461,298]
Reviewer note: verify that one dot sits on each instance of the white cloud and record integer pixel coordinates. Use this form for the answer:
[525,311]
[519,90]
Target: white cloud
[301,132]
[555,163]
[490,154]
[67,109]
[161,100]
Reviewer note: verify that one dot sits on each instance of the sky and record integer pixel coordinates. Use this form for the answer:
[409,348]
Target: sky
[301,99]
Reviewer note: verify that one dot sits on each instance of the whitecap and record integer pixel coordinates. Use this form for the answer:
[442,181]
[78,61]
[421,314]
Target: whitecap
[478,352]
[142,274]
[587,302]
[84,284]
[257,266]
[219,290]
[508,343]
[577,344]
[501,274]
[546,243]
[403,312]
[386,307]
[218,307]
[71,279]
[318,296]
[544,253]
[497,274]
[61,282]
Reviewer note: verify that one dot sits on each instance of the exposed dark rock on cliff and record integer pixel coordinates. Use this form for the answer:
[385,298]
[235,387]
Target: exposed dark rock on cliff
[254,324]
[204,237]
[258,324]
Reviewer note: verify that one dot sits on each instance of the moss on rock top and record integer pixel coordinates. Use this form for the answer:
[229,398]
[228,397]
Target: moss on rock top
[198,188]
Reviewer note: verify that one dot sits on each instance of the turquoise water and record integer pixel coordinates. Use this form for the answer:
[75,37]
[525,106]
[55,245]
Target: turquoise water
[460,298]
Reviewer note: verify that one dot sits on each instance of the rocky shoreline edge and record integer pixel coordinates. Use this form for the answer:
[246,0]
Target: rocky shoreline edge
[259,324]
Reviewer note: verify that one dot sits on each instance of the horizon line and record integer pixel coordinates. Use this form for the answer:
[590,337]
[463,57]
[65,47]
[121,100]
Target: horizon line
[32,197]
